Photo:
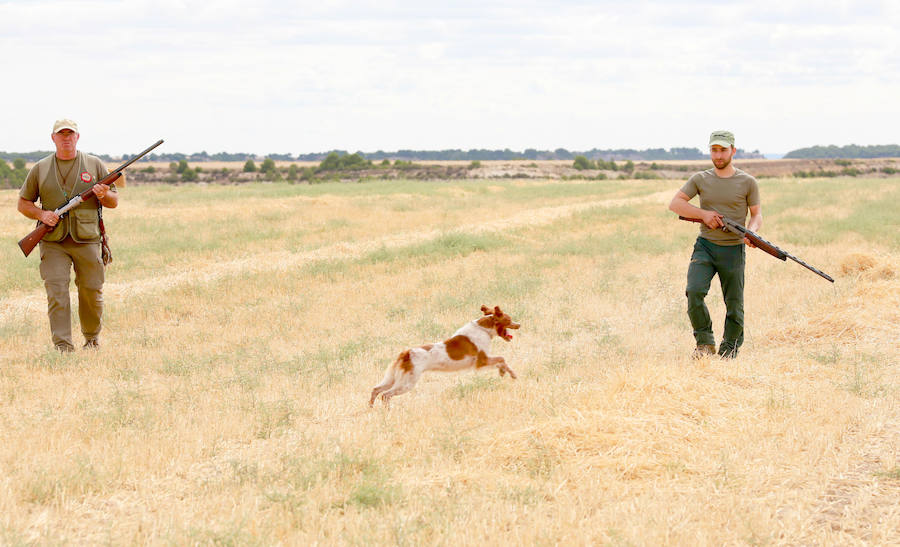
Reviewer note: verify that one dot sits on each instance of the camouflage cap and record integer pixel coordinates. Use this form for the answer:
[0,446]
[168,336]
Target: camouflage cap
[65,123]
[722,138]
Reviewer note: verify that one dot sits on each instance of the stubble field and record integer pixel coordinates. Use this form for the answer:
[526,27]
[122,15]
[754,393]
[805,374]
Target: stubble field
[246,325]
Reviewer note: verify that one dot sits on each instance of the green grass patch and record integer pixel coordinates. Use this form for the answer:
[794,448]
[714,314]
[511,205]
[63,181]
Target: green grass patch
[793,206]
[77,478]
[370,494]
[477,384]
[19,273]
[893,474]
[449,245]
[273,416]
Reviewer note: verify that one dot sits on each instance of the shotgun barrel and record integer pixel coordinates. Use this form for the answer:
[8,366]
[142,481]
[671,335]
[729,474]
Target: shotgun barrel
[762,243]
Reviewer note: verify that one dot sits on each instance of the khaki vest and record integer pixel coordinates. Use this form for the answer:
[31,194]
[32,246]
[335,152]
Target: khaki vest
[81,222]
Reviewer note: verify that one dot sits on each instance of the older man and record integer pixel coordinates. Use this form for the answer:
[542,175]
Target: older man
[75,240]
[723,190]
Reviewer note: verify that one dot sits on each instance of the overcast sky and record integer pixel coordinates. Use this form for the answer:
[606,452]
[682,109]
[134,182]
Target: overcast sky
[296,77]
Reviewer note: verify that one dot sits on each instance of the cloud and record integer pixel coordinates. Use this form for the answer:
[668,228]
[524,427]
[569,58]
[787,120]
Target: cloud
[270,76]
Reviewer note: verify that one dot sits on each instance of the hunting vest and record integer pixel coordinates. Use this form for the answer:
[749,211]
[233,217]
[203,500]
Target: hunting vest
[82,222]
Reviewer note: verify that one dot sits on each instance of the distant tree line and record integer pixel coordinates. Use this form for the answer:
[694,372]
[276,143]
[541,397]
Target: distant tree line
[849,151]
[12,176]
[480,154]
[168,157]
[30,157]
[475,154]
[219,156]
[650,154]
[37,155]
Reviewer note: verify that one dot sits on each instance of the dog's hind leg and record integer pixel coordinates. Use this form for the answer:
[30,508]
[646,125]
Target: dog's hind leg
[397,390]
[401,366]
[386,383]
[404,383]
[376,391]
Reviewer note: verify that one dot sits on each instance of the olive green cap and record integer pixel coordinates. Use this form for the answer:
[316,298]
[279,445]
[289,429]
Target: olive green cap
[722,138]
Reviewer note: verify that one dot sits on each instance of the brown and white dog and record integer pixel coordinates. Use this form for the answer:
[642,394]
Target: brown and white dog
[467,348]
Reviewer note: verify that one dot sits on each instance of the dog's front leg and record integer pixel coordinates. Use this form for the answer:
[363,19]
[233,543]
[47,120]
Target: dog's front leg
[501,365]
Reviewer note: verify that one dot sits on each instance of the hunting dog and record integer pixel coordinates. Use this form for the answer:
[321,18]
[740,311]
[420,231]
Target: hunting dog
[467,348]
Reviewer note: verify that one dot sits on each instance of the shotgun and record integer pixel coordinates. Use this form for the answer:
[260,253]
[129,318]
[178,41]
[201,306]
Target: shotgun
[29,242]
[762,243]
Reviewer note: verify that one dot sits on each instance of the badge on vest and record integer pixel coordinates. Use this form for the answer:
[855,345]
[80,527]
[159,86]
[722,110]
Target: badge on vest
[86,177]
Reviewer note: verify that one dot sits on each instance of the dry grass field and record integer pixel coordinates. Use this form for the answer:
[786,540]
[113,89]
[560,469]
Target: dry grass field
[246,325]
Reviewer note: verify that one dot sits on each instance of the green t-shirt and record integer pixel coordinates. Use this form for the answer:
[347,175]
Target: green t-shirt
[44,182]
[31,188]
[732,196]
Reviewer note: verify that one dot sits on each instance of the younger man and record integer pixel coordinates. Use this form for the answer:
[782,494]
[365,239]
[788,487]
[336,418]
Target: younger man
[723,190]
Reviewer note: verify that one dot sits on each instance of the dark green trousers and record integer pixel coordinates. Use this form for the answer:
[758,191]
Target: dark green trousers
[708,260]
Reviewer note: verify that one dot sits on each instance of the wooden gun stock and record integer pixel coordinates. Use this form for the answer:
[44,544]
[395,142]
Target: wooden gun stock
[29,242]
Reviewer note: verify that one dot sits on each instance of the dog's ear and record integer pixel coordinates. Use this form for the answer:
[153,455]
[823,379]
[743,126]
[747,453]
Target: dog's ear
[497,311]
[485,310]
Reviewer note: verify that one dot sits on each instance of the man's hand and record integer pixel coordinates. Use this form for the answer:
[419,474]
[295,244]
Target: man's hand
[755,223]
[712,219]
[107,196]
[100,190]
[49,218]
[680,206]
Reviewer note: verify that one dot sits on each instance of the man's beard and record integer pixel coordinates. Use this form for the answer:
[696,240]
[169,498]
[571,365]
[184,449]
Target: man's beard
[722,164]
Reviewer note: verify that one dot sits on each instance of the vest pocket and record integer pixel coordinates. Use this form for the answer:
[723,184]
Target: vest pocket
[58,232]
[84,224]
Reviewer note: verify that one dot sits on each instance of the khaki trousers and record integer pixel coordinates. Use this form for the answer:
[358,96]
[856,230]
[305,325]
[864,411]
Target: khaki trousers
[58,258]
